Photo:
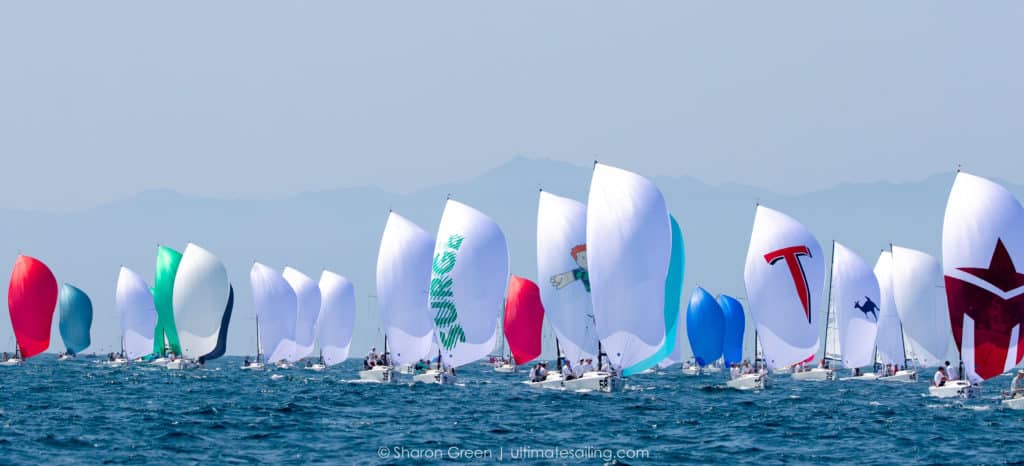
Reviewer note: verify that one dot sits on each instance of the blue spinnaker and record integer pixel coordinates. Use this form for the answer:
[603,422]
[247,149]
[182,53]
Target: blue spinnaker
[735,324]
[705,327]
[75,318]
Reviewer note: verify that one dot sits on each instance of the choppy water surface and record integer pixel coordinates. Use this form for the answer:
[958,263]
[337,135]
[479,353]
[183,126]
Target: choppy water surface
[78,412]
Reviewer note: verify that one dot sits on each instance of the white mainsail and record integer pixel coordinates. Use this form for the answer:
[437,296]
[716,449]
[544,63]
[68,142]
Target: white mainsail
[467,283]
[916,281]
[308,296]
[135,304]
[889,337]
[563,274]
[276,306]
[337,317]
[982,260]
[629,243]
[403,279]
[784,273]
[200,295]
[855,297]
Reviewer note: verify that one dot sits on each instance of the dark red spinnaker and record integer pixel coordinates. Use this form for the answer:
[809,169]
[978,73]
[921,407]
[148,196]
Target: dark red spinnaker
[524,319]
[31,299]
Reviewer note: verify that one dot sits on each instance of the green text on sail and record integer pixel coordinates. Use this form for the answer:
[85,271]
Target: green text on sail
[442,301]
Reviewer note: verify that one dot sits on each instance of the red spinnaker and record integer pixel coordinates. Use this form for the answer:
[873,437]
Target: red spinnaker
[524,319]
[31,299]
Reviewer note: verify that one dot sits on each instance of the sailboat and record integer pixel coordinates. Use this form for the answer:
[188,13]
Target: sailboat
[201,298]
[165,334]
[784,272]
[982,253]
[31,299]
[732,346]
[75,320]
[307,296]
[630,249]
[467,286]
[403,279]
[853,312]
[337,318]
[276,307]
[705,325]
[524,321]
[135,305]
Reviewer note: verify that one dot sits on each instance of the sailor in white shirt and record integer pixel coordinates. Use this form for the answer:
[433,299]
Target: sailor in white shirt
[940,377]
[567,371]
[951,373]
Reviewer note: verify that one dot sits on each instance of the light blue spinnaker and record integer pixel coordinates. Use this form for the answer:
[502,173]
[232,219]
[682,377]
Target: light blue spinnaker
[673,295]
[705,325]
[735,324]
[75,318]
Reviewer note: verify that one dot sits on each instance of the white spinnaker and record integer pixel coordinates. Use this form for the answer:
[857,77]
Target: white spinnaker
[784,276]
[916,281]
[889,337]
[201,290]
[135,304]
[276,307]
[629,243]
[308,296]
[855,298]
[468,281]
[983,260]
[337,317]
[561,248]
[403,279]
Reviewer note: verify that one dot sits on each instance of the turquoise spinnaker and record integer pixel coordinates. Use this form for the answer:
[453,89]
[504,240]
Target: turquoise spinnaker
[75,318]
[735,324]
[673,295]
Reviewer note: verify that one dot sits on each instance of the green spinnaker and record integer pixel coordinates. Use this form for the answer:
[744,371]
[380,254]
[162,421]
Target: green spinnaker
[166,334]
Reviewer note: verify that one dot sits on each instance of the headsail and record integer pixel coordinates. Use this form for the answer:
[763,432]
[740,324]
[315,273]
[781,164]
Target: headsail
[403,279]
[165,334]
[564,277]
[629,243]
[524,319]
[855,297]
[75,318]
[705,324]
[467,283]
[784,274]
[337,316]
[31,299]
[735,325]
[916,287]
[201,292]
[982,259]
[308,296]
[134,302]
[276,307]
[889,337]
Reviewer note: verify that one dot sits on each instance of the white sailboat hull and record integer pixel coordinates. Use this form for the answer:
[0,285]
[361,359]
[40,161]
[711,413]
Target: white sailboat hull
[65,357]
[596,381]
[748,382]
[505,368]
[317,367]
[953,389]
[816,374]
[867,376]
[181,364]
[382,374]
[905,376]
[553,380]
[696,370]
[254,366]
[11,362]
[435,376]
[160,362]
[1013,403]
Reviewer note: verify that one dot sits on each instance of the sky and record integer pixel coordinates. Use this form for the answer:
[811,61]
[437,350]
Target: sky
[261,100]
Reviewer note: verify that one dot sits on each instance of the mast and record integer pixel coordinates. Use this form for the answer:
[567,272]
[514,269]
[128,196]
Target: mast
[387,359]
[828,302]
[259,351]
[558,357]
[756,359]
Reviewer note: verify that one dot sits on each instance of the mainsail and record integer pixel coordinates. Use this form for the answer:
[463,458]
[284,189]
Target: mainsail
[629,245]
[276,306]
[165,334]
[308,296]
[75,318]
[735,325]
[467,283]
[889,337]
[784,273]
[403,279]
[201,292]
[134,302]
[705,324]
[31,299]
[524,319]
[982,255]
[337,317]
[916,283]
[854,302]
[564,275]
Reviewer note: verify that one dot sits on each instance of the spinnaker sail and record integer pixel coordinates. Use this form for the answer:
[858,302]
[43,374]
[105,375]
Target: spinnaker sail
[308,296]
[222,336]
[705,324]
[135,305]
[524,319]
[276,307]
[889,337]
[75,318]
[31,300]
[855,297]
[673,296]
[201,292]
[337,317]
[165,334]
[916,289]
[403,279]
[735,325]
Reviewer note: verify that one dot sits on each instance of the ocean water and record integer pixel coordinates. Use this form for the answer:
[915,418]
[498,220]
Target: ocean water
[78,412]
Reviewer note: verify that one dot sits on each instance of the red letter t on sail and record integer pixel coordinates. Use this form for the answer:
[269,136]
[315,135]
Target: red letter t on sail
[792,257]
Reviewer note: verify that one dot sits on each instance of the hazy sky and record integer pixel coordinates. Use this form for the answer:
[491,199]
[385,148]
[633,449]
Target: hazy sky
[261,99]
